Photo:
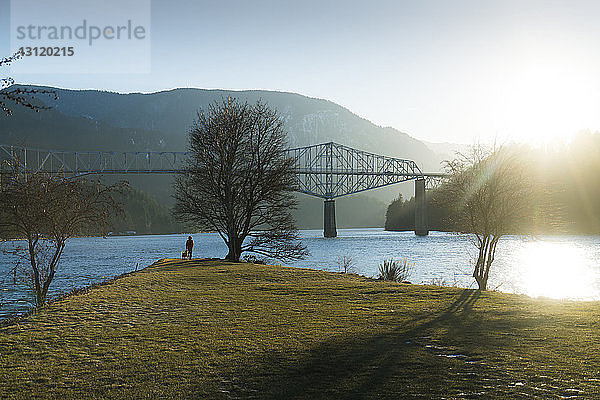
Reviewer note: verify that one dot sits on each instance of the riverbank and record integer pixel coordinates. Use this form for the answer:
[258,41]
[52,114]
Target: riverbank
[209,329]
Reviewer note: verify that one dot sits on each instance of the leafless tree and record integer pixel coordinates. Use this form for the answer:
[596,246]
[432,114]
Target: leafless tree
[46,211]
[490,194]
[346,264]
[18,95]
[239,182]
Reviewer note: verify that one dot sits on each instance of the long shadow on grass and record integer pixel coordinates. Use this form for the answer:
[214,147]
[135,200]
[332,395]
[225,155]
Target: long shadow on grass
[404,362]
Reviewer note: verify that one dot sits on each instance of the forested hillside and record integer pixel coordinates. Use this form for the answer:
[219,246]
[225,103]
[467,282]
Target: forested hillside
[143,215]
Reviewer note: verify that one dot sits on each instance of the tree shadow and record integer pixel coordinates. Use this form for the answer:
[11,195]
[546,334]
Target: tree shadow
[403,362]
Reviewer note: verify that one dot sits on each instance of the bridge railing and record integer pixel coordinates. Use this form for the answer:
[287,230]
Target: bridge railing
[328,170]
[92,162]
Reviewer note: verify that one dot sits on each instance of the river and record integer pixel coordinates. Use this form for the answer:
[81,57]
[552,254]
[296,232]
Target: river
[563,267]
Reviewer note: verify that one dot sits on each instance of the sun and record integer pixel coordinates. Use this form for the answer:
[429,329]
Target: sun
[546,100]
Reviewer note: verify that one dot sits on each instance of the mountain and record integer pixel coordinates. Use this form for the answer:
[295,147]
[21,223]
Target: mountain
[448,151]
[100,120]
[161,120]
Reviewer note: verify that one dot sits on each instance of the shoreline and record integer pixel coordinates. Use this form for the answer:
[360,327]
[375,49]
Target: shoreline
[191,328]
[16,319]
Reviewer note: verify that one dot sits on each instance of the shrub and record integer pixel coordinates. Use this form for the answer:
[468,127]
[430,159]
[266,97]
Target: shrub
[395,270]
[346,264]
[438,282]
[252,259]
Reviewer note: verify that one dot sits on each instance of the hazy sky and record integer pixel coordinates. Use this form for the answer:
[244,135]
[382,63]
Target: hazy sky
[446,70]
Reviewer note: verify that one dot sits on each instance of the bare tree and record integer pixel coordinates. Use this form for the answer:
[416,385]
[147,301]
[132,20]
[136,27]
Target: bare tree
[239,182]
[46,211]
[346,264]
[18,95]
[490,194]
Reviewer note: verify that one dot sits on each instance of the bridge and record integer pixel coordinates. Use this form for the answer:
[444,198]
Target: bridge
[327,171]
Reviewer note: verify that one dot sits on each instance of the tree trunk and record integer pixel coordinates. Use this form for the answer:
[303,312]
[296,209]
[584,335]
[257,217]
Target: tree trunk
[235,250]
[36,278]
[478,273]
[487,252]
[481,282]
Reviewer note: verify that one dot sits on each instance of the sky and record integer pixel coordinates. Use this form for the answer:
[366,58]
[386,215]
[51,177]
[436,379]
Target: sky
[441,71]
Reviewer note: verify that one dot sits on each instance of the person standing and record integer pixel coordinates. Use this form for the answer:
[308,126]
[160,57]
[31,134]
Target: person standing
[189,246]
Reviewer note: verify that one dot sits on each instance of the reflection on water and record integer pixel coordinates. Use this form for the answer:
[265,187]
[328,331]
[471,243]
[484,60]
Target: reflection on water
[557,266]
[557,270]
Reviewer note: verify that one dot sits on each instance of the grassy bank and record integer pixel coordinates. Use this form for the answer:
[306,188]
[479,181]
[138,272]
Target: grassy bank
[192,329]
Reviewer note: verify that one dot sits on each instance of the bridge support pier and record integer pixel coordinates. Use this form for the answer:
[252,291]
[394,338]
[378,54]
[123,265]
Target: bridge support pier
[421,228]
[329,229]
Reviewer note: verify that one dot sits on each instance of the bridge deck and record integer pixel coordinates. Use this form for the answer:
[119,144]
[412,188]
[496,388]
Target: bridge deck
[327,170]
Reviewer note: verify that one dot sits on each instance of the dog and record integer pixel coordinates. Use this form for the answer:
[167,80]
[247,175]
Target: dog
[184,254]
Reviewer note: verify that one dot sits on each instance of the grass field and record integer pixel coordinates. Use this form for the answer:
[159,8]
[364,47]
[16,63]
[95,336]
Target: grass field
[210,329]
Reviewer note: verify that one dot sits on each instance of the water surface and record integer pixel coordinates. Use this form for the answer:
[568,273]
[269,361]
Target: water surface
[551,266]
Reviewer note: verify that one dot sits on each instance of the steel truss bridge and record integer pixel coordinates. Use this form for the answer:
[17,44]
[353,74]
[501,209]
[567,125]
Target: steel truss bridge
[327,170]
